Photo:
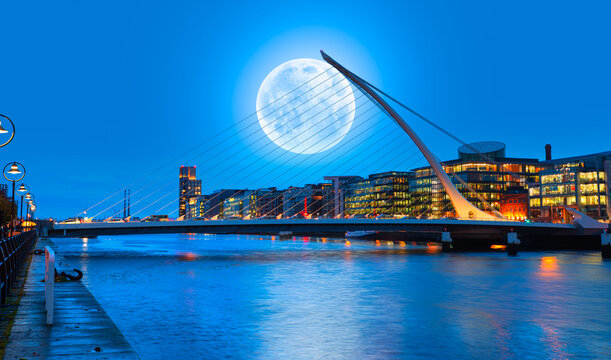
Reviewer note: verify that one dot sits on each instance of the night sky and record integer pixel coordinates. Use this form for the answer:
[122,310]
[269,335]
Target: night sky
[103,93]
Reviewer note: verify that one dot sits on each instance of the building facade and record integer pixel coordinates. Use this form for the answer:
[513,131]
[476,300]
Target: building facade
[189,188]
[380,194]
[253,204]
[238,206]
[481,174]
[211,206]
[580,182]
[514,204]
[315,200]
[341,184]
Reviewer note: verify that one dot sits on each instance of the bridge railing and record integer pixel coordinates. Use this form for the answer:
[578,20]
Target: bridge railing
[13,253]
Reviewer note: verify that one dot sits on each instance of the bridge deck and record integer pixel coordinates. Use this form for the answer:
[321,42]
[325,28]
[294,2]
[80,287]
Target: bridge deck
[310,226]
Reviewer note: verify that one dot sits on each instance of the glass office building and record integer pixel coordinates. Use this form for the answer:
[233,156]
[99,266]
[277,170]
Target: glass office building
[380,194]
[481,167]
[253,204]
[581,182]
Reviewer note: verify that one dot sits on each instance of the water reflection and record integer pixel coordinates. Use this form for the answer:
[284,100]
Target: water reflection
[224,296]
[549,267]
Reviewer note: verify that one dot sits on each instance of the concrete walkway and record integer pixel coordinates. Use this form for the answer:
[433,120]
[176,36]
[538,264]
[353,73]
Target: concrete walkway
[82,329]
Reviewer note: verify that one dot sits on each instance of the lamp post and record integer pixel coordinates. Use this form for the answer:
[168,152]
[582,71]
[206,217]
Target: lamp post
[15,175]
[31,207]
[4,131]
[29,197]
[23,190]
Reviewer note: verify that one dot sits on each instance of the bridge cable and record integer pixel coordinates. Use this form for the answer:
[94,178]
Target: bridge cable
[222,132]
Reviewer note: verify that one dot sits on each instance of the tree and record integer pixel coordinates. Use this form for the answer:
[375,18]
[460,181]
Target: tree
[5,210]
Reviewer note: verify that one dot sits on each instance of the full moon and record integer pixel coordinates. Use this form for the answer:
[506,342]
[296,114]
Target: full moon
[305,106]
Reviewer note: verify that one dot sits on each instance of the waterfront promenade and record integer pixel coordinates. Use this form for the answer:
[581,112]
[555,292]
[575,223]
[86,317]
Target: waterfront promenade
[81,330]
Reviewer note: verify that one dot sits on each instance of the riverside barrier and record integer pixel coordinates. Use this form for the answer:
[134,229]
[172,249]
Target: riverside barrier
[14,251]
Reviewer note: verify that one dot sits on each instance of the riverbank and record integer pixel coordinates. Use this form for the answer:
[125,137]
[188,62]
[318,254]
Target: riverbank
[81,330]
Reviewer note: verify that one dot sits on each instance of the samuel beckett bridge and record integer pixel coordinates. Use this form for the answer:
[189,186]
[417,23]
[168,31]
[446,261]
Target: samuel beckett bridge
[303,124]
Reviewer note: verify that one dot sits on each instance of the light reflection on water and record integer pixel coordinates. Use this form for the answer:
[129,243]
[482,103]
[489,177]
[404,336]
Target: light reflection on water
[229,296]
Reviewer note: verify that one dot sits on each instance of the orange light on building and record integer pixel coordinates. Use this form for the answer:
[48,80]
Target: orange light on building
[348,243]
[498,247]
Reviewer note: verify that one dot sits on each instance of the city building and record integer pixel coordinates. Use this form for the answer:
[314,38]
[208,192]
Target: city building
[482,173]
[4,191]
[253,204]
[580,182]
[238,206]
[294,200]
[211,206]
[514,204]
[268,203]
[315,200]
[340,187]
[380,194]
[189,188]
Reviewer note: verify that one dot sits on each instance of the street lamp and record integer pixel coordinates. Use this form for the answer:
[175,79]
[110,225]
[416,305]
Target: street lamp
[15,175]
[5,131]
[23,190]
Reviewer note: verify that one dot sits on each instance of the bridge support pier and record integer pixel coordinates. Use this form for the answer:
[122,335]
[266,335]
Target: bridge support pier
[605,244]
[446,241]
[512,243]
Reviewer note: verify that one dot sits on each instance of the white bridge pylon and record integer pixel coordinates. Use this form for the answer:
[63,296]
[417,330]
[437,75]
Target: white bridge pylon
[463,207]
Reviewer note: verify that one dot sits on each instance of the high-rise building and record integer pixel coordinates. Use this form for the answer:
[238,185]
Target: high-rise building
[4,190]
[189,188]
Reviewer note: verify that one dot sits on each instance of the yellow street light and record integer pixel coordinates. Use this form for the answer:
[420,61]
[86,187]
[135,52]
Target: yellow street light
[5,131]
[14,170]
[22,190]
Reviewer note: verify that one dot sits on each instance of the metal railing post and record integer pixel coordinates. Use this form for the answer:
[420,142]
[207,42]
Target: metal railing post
[49,283]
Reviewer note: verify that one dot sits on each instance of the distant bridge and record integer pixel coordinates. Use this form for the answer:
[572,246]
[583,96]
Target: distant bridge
[465,233]
[473,227]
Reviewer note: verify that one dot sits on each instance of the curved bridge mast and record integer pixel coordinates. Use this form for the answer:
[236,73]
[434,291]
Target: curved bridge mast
[463,207]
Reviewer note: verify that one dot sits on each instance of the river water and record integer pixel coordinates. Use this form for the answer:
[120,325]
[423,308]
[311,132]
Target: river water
[251,297]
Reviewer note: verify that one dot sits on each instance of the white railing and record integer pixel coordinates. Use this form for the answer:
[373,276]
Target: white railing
[49,283]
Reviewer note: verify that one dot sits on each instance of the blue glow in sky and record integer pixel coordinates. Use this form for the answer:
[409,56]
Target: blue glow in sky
[104,92]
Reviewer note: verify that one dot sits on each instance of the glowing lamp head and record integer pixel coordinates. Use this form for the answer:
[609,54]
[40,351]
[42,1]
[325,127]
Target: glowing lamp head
[22,190]
[28,196]
[2,130]
[14,170]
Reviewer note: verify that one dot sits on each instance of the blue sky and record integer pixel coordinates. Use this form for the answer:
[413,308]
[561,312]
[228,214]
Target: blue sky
[102,93]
